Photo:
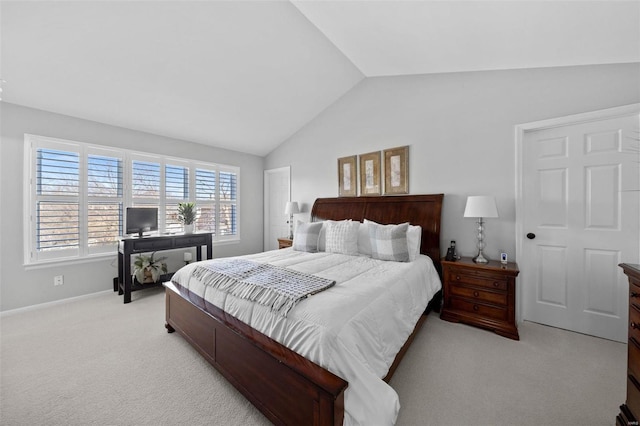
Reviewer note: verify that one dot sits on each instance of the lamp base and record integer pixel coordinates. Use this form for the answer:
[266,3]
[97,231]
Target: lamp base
[480,258]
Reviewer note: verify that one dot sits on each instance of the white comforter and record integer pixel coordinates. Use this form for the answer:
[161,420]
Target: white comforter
[354,329]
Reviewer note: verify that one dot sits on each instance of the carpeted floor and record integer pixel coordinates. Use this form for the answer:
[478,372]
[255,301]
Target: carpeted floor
[96,361]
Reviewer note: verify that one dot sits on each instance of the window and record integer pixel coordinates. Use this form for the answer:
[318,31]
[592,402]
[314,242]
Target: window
[77,193]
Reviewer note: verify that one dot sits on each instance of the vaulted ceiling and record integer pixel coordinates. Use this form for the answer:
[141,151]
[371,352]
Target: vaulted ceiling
[247,75]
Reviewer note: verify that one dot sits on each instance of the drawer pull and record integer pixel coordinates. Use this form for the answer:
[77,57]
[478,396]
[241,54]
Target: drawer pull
[458,277]
[634,325]
[634,294]
[496,284]
[476,307]
[476,294]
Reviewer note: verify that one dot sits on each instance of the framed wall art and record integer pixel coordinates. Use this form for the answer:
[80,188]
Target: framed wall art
[370,183]
[396,170]
[347,176]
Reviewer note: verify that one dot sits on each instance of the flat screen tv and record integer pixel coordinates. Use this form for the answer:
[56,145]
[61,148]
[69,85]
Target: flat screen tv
[141,219]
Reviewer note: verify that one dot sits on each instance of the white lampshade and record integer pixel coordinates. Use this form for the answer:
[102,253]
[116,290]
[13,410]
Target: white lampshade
[481,206]
[291,208]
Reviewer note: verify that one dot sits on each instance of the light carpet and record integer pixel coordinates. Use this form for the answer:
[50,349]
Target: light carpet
[97,361]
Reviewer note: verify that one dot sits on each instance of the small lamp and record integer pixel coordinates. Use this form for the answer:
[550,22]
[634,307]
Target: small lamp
[291,209]
[480,206]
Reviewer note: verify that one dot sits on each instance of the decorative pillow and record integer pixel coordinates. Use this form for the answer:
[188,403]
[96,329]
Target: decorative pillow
[306,236]
[364,242]
[342,237]
[389,242]
[322,239]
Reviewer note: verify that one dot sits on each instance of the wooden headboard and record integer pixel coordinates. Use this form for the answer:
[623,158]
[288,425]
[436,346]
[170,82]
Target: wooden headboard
[423,210]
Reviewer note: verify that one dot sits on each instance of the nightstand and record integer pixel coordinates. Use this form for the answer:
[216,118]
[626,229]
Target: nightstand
[284,242]
[482,295]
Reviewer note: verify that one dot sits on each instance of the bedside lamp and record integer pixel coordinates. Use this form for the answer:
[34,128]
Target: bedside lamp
[480,206]
[291,209]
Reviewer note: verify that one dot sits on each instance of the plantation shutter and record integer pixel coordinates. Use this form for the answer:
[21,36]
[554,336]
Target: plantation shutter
[206,200]
[228,213]
[104,201]
[57,200]
[176,191]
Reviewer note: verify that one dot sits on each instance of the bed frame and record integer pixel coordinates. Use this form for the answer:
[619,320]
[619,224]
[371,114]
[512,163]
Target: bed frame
[286,387]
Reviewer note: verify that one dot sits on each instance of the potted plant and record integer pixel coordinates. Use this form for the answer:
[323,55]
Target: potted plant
[187,215]
[147,269]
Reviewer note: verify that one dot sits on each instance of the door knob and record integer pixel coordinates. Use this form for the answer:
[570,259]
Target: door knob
[531,235]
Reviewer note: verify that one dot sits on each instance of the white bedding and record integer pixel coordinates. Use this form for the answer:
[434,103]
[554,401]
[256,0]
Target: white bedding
[354,329]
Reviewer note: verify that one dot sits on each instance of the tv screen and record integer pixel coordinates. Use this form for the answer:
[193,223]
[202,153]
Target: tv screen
[141,219]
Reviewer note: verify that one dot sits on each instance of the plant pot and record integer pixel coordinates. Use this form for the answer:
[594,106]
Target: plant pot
[188,229]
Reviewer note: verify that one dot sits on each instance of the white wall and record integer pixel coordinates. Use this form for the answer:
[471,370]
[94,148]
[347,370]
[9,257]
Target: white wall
[460,129]
[20,287]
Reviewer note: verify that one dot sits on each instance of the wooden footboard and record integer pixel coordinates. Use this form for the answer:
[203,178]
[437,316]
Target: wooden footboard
[286,387]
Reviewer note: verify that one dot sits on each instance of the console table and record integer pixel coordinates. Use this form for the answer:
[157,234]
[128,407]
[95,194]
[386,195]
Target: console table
[133,245]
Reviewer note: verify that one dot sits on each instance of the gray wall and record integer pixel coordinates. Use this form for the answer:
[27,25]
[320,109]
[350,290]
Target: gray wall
[21,287]
[460,129]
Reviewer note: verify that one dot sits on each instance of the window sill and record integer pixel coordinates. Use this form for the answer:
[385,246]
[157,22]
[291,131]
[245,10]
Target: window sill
[70,261]
[50,263]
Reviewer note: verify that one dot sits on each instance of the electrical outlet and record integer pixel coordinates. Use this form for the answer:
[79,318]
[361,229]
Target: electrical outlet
[58,280]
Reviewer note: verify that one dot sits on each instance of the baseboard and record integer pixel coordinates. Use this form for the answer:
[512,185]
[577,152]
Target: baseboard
[55,302]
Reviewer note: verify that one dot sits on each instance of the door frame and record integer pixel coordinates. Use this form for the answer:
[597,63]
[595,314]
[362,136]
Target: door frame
[267,198]
[520,131]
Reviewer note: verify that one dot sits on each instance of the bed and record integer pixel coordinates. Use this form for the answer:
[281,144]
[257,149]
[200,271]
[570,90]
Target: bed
[286,386]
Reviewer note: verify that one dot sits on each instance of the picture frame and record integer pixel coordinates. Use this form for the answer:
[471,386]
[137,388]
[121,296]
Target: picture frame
[396,170]
[370,182]
[347,176]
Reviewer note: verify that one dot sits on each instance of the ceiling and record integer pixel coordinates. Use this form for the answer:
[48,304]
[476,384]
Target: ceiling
[247,75]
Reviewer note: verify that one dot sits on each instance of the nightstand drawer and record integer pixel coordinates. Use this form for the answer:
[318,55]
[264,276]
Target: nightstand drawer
[479,279]
[633,394]
[634,322]
[479,309]
[633,362]
[499,298]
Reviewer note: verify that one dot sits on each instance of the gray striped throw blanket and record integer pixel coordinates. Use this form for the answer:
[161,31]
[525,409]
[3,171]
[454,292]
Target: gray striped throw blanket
[279,288]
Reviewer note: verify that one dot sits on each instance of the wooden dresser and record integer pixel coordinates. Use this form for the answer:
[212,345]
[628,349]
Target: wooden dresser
[630,410]
[483,295]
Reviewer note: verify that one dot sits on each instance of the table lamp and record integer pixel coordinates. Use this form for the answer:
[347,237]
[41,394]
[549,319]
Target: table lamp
[480,206]
[290,209]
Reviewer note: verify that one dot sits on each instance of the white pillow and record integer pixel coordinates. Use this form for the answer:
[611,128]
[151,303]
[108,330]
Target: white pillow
[342,237]
[414,241]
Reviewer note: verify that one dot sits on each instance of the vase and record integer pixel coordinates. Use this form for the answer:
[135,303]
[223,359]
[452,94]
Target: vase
[188,229]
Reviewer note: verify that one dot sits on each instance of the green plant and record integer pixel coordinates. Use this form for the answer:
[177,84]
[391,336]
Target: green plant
[145,266]
[187,213]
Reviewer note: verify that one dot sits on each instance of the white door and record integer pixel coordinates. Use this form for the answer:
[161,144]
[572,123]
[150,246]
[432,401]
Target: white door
[276,194]
[580,208]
